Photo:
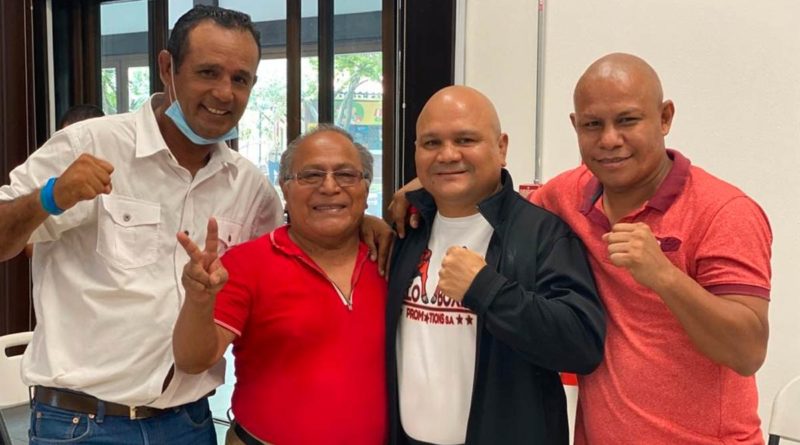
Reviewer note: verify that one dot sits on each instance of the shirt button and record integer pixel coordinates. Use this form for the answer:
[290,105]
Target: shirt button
[126,217]
[186,232]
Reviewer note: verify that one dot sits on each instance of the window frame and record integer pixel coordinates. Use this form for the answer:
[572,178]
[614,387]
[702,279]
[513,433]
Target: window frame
[76,56]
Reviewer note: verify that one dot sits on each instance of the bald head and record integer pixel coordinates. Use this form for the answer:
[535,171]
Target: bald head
[621,120]
[460,99]
[460,151]
[621,69]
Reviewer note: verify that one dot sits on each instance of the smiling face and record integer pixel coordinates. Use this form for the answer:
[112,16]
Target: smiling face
[325,214]
[621,121]
[214,80]
[460,150]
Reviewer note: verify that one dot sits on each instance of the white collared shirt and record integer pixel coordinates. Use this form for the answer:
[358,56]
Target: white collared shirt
[106,273]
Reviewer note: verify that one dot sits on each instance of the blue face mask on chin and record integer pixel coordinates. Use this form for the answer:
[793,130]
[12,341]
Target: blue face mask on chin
[175,113]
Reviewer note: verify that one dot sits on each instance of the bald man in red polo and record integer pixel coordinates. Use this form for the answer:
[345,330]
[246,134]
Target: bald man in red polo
[682,262]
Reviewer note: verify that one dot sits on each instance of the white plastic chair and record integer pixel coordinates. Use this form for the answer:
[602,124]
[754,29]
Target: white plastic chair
[13,392]
[785,420]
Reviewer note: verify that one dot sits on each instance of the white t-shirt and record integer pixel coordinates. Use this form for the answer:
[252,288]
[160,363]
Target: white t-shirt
[436,340]
[106,273]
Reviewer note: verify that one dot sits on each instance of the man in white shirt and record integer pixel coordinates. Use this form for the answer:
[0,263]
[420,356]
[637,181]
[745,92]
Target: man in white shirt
[489,297]
[103,200]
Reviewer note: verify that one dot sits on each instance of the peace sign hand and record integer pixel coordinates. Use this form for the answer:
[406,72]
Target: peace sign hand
[203,276]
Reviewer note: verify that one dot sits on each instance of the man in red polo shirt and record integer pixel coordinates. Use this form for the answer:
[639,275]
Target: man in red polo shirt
[303,307]
[682,262]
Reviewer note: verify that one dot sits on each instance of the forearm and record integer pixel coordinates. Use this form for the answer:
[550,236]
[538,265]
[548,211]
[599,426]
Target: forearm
[730,330]
[563,331]
[18,219]
[195,341]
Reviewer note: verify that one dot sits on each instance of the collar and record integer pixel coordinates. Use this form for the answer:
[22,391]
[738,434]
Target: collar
[280,240]
[149,140]
[665,195]
[494,208]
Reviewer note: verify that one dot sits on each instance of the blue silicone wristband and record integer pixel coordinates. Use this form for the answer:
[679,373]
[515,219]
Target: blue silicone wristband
[47,199]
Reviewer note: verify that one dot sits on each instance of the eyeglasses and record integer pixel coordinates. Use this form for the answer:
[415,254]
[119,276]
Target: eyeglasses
[344,177]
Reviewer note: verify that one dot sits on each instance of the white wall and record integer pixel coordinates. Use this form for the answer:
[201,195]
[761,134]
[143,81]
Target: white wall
[500,60]
[733,71]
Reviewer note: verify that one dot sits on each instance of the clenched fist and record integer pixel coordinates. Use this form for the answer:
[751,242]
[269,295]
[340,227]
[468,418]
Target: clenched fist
[634,247]
[459,268]
[83,180]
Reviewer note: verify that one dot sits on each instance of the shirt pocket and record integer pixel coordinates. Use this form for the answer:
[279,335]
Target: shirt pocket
[229,232]
[127,232]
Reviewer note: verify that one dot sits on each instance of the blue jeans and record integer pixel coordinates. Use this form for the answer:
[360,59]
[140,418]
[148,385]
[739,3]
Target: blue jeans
[190,424]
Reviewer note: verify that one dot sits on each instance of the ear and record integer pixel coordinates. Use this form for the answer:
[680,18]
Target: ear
[667,113]
[284,192]
[503,146]
[573,121]
[164,66]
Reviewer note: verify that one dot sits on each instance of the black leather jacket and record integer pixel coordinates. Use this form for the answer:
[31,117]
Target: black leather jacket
[538,311]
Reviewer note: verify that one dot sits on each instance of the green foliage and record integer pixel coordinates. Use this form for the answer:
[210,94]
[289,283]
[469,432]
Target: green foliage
[350,72]
[109,80]
[138,86]
[262,131]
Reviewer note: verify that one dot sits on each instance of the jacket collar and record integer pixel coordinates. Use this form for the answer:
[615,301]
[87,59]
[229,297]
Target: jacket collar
[492,208]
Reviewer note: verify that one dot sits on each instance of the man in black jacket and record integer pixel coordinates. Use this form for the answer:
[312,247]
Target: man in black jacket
[488,299]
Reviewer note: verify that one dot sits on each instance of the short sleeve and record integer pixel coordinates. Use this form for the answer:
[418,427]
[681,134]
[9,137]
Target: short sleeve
[269,211]
[265,212]
[51,160]
[733,256]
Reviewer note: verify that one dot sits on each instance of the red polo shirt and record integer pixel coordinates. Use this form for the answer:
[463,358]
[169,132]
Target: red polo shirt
[653,386]
[308,368]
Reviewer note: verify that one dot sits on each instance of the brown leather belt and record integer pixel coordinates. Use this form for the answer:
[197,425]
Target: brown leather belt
[84,403]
